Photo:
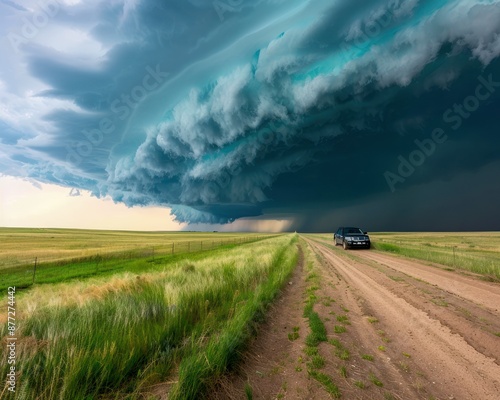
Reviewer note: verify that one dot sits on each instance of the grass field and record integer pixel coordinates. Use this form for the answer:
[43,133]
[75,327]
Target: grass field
[477,252]
[62,254]
[183,320]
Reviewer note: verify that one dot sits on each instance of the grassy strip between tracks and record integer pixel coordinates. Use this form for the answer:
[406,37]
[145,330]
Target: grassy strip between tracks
[121,337]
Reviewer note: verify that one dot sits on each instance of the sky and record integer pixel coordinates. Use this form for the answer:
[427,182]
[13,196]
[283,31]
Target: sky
[250,115]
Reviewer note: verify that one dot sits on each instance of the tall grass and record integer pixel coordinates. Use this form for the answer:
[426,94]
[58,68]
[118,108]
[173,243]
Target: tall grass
[477,252]
[110,262]
[474,258]
[189,320]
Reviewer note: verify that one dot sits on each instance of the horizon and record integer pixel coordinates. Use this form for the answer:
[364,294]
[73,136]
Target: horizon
[266,117]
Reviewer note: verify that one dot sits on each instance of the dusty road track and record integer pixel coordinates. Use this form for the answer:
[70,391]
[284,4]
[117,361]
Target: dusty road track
[440,328]
[480,292]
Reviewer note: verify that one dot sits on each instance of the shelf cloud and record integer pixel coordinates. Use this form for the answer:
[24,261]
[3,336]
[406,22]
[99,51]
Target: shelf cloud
[235,109]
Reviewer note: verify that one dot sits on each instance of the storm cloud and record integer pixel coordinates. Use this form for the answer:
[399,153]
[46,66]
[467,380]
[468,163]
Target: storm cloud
[323,112]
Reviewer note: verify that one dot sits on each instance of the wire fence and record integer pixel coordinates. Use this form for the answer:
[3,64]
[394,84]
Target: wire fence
[37,270]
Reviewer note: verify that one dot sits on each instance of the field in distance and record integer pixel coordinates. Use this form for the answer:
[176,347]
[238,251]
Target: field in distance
[67,253]
[170,324]
[477,252]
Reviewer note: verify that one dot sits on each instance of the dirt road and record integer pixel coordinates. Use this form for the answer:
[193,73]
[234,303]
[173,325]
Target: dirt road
[409,331]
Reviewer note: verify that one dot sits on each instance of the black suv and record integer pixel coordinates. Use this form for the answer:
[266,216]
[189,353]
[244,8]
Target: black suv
[350,237]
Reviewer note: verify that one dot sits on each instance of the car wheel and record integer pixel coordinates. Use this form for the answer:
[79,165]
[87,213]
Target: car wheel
[344,246]
[335,241]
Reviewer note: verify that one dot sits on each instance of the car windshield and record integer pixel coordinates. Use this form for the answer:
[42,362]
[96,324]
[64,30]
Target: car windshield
[353,231]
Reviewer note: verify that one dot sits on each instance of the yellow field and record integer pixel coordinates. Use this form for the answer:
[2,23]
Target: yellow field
[19,246]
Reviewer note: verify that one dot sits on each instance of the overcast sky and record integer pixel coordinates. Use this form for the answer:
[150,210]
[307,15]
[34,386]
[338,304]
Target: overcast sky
[292,115]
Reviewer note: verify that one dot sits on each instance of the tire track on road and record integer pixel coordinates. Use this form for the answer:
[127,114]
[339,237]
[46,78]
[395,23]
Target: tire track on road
[483,293]
[458,370]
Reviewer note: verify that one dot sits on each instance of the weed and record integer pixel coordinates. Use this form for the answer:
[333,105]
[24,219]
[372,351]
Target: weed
[360,384]
[248,391]
[440,302]
[343,354]
[406,355]
[318,330]
[344,319]
[339,329]
[310,350]
[294,335]
[317,362]
[343,372]
[372,320]
[404,366]
[367,357]
[373,379]
[327,383]
[381,348]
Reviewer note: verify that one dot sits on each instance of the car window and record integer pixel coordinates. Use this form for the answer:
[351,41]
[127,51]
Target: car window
[354,231]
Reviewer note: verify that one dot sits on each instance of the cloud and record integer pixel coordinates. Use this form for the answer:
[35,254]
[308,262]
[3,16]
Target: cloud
[74,192]
[226,113]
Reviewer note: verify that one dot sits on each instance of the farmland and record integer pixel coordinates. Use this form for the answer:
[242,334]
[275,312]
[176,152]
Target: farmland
[476,252]
[232,316]
[123,333]
[61,254]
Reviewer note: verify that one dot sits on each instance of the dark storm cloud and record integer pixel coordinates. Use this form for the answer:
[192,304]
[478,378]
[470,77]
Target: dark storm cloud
[236,110]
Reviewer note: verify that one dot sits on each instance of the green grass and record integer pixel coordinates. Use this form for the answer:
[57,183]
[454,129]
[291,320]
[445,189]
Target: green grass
[343,319]
[377,382]
[187,322]
[360,384]
[339,329]
[327,383]
[316,362]
[63,254]
[294,335]
[477,252]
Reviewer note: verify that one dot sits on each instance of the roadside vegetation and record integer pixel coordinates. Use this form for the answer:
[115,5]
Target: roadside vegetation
[30,256]
[476,252]
[178,327]
[318,332]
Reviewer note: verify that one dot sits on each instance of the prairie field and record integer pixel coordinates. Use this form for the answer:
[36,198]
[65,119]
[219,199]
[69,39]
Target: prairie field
[61,254]
[183,321]
[477,252]
[136,324]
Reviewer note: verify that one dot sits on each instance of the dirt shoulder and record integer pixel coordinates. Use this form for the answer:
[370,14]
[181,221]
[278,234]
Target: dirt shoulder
[395,329]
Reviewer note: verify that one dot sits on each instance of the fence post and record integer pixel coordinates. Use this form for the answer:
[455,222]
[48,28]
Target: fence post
[34,270]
